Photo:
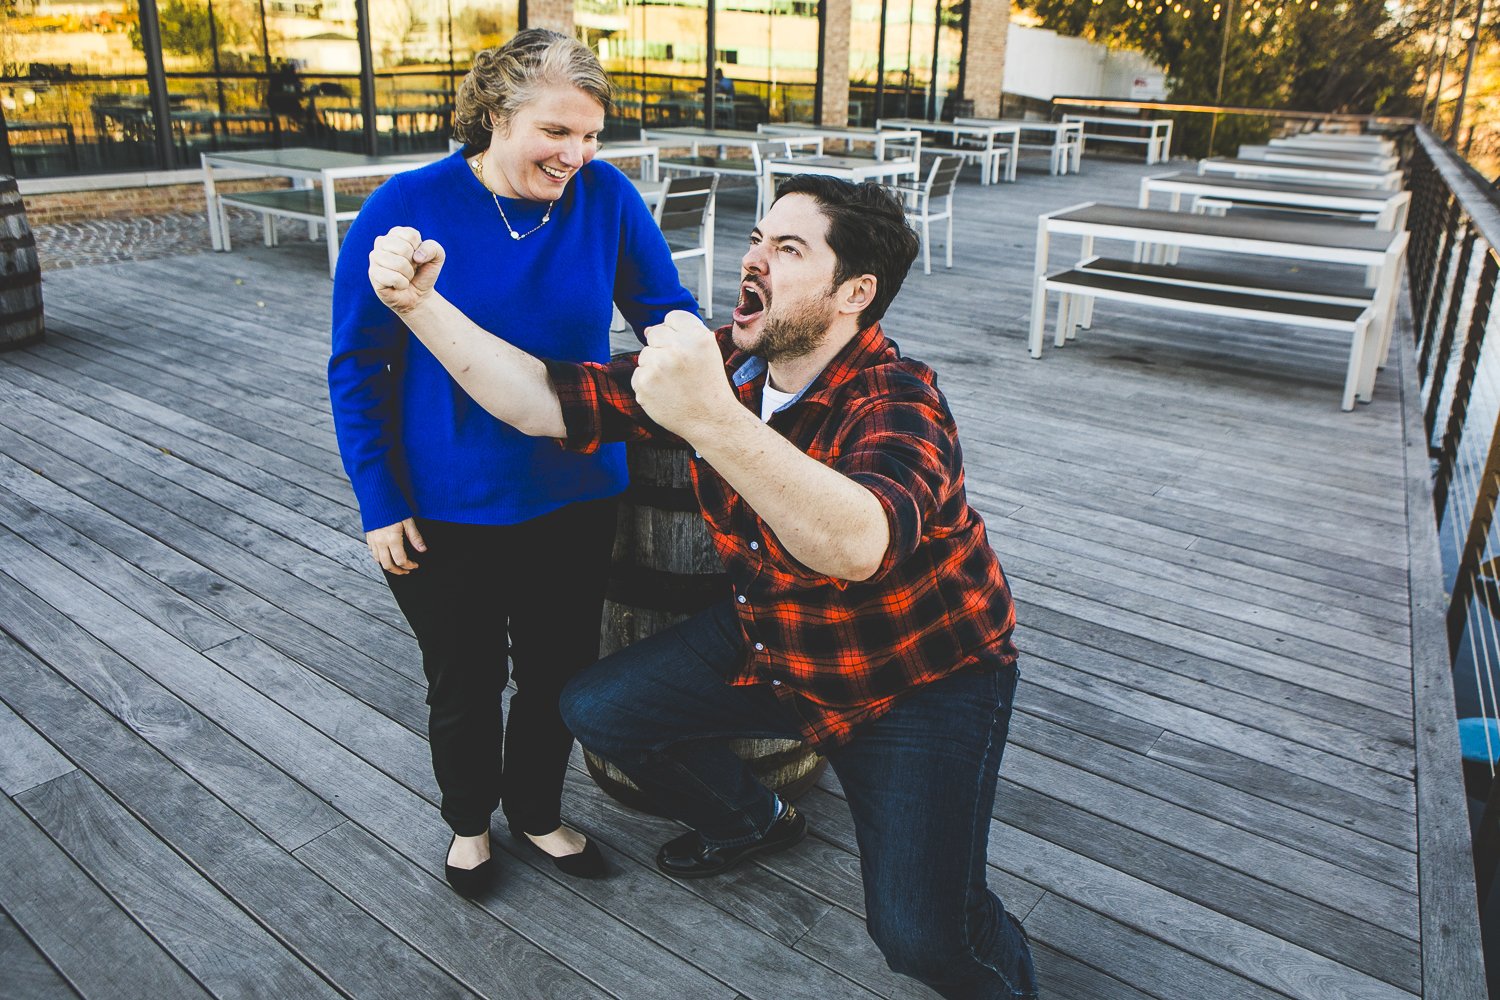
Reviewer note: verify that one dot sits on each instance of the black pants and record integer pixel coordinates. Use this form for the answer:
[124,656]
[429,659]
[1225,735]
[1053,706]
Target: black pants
[533,589]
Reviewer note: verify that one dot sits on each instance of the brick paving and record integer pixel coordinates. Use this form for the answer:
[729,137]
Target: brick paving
[145,237]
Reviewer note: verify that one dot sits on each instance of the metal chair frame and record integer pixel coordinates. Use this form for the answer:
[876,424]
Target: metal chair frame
[942,178]
[686,205]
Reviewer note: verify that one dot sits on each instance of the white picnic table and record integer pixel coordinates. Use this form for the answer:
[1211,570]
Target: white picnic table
[1381,253]
[1063,140]
[305,167]
[987,150]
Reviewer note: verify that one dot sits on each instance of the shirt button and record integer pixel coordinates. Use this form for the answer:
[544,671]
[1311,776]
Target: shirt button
[760,647]
[754,546]
[697,455]
[776,684]
[741,598]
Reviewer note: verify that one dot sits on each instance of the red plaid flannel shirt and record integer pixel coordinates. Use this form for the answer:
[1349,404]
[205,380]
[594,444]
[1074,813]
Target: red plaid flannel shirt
[839,652]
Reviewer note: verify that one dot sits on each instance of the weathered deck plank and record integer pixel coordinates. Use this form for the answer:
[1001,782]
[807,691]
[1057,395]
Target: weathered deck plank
[215,708]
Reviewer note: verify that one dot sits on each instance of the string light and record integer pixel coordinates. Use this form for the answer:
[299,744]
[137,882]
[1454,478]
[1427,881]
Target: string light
[1258,15]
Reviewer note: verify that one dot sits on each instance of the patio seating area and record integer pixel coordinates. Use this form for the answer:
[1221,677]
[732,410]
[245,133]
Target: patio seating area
[211,718]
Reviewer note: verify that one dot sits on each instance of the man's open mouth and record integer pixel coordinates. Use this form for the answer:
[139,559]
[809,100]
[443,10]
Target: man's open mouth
[752,302]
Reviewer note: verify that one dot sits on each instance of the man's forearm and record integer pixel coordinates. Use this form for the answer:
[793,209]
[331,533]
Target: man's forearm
[504,379]
[828,522]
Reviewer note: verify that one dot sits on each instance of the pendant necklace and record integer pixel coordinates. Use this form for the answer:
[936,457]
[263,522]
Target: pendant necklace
[478,164]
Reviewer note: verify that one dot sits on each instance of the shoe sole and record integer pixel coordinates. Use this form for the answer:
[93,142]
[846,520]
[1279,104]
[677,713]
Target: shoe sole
[759,850]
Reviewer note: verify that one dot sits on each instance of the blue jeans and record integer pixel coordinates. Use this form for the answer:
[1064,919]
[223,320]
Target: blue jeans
[920,783]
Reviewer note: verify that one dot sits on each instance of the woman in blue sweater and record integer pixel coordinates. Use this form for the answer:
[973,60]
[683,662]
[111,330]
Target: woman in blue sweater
[493,542]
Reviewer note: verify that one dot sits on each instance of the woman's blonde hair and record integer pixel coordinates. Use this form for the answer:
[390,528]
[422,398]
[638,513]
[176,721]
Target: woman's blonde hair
[504,80]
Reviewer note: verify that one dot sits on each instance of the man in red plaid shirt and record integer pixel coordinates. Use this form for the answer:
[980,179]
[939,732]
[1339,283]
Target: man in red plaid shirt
[869,615]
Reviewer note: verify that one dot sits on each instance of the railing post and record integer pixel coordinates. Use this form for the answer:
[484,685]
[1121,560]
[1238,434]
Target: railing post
[1463,386]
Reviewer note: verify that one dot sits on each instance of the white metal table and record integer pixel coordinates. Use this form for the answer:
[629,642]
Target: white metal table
[1319,140]
[304,167]
[1320,157]
[1303,173]
[648,152]
[990,151]
[1388,207]
[1379,252]
[1064,140]
[722,138]
[848,135]
[855,169]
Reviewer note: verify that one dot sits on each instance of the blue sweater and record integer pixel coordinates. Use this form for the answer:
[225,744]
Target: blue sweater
[412,441]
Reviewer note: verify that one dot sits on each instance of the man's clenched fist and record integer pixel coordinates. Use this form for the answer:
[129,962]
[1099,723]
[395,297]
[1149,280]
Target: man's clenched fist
[680,380]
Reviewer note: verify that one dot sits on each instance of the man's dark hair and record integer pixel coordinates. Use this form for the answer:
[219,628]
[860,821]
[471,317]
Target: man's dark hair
[867,231]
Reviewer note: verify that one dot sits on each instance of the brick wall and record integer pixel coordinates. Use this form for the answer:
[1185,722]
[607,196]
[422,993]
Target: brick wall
[835,56]
[116,203]
[984,60]
[554,14]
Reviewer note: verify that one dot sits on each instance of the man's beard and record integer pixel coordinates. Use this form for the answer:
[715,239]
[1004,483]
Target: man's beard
[798,333]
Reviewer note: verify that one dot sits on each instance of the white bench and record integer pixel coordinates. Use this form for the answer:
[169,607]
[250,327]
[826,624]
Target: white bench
[1285,302]
[305,204]
[1157,137]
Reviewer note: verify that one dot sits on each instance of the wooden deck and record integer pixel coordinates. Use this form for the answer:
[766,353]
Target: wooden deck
[211,735]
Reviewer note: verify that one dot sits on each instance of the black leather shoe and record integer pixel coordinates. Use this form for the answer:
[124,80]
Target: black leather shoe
[470,882]
[688,857]
[587,863]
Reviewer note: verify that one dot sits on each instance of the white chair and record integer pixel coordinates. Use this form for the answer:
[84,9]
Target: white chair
[922,200]
[685,213]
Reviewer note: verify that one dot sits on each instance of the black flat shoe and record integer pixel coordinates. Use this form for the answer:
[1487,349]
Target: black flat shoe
[688,857]
[587,863]
[470,882]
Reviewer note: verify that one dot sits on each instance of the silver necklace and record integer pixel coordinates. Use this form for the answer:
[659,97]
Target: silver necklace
[478,164]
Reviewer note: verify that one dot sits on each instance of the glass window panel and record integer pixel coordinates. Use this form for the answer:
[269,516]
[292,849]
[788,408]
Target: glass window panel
[864,60]
[768,50]
[656,55]
[480,26]
[950,47]
[414,65]
[919,35]
[908,58]
[45,42]
[57,123]
[319,39]
[313,85]
[215,53]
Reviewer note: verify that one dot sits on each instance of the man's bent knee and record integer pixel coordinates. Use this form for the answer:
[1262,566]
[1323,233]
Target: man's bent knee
[578,704]
[596,708]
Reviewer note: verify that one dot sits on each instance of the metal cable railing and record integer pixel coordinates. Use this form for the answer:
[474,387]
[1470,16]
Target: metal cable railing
[1453,270]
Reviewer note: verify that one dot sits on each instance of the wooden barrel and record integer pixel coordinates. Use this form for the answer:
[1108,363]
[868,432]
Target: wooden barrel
[664,570]
[20,273]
